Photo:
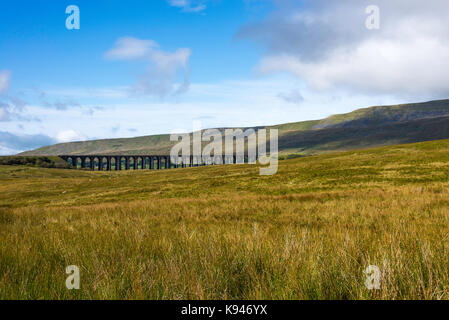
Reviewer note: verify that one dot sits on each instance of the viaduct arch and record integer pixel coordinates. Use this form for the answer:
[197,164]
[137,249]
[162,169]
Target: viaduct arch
[142,162]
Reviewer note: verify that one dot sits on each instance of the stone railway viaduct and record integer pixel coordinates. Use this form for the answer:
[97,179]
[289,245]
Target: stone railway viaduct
[152,162]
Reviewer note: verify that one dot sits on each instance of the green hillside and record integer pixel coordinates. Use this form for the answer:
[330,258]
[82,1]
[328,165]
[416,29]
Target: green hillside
[368,127]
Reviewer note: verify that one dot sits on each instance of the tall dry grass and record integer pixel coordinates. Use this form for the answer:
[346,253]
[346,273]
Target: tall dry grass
[224,232]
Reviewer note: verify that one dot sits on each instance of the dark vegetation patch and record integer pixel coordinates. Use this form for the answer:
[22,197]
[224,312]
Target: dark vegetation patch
[34,161]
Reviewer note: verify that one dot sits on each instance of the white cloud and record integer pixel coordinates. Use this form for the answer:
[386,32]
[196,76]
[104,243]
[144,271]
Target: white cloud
[130,48]
[188,6]
[327,44]
[119,92]
[415,65]
[293,96]
[69,136]
[167,73]
[11,107]
[5,77]
[5,114]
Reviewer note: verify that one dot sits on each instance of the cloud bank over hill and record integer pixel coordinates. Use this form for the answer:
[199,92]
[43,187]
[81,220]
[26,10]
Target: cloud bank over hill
[12,143]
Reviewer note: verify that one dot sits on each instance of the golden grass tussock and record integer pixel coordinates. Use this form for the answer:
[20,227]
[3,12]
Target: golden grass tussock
[224,232]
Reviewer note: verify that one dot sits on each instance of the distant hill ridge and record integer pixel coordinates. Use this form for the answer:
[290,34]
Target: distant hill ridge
[367,127]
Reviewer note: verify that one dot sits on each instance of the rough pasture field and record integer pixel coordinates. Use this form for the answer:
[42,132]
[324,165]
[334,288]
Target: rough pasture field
[224,232]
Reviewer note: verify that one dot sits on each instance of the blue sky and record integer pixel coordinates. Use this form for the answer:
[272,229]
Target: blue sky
[34,38]
[148,67]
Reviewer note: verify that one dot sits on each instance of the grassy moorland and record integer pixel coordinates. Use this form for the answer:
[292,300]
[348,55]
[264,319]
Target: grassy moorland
[307,232]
